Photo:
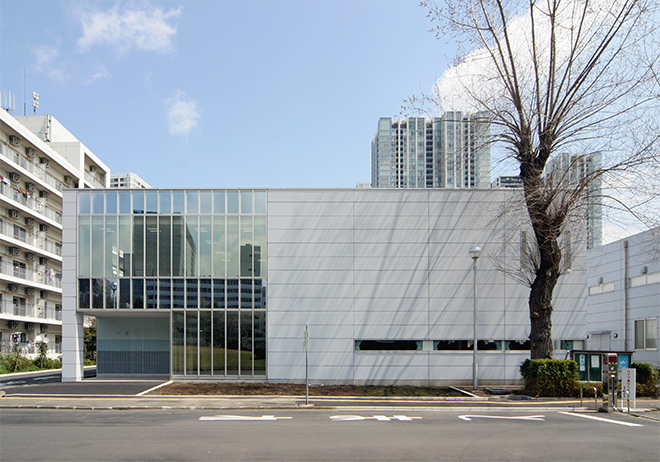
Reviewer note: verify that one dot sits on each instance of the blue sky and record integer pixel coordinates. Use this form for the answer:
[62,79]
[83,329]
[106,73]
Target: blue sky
[222,93]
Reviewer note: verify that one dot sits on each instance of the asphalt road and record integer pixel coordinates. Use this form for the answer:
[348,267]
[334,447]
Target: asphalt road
[315,435]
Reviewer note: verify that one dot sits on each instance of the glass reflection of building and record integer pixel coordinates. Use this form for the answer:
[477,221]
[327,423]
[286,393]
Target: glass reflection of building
[195,257]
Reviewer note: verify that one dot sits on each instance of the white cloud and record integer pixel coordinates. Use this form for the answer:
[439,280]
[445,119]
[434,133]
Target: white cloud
[48,60]
[182,114]
[145,28]
[102,73]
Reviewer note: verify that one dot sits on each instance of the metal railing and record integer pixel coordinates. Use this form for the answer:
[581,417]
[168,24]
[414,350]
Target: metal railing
[92,179]
[30,202]
[48,277]
[595,395]
[48,245]
[31,167]
[31,311]
[30,349]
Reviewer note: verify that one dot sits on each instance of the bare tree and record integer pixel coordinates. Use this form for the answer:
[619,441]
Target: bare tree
[558,77]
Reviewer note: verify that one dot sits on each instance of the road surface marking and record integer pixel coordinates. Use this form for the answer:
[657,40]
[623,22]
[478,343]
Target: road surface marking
[522,417]
[243,417]
[380,418]
[600,419]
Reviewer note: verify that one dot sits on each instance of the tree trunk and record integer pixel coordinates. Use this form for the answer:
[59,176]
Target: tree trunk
[540,312]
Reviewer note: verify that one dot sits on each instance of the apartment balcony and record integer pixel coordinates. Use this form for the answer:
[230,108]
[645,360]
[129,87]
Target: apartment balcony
[31,203]
[30,313]
[19,233]
[21,275]
[93,180]
[31,167]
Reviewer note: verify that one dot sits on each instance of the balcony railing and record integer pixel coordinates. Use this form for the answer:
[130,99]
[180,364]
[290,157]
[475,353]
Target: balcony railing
[48,245]
[31,350]
[48,277]
[30,202]
[92,179]
[30,311]
[31,167]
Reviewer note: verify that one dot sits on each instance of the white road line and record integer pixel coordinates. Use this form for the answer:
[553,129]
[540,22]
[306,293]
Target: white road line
[522,417]
[243,418]
[600,419]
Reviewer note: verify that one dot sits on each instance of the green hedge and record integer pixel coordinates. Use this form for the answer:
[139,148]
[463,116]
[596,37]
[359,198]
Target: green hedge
[647,377]
[550,377]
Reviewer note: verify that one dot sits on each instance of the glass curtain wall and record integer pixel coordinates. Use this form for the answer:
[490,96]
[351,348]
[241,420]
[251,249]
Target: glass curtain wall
[198,254]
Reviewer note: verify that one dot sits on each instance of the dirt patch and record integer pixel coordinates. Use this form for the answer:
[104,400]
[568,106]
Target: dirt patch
[288,389]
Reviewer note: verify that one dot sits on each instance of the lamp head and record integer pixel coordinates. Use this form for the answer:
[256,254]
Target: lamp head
[475,252]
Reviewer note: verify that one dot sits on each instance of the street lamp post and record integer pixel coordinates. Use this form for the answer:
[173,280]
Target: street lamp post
[475,253]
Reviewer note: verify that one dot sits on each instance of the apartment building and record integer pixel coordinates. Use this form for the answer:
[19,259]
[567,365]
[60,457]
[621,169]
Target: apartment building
[127,180]
[39,159]
[452,151]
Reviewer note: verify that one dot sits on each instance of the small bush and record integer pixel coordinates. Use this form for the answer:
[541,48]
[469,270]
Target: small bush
[550,377]
[647,377]
[14,362]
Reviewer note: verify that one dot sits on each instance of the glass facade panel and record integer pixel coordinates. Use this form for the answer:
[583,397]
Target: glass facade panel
[97,243]
[205,202]
[205,246]
[138,293]
[205,343]
[164,246]
[232,202]
[165,202]
[178,335]
[151,247]
[246,343]
[191,342]
[232,246]
[111,202]
[192,244]
[165,294]
[219,246]
[124,202]
[218,342]
[84,240]
[232,343]
[138,246]
[246,202]
[192,202]
[178,293]
[84,203]
[124,253]
[152,202]
[97,203]
[138,202]
[126,259]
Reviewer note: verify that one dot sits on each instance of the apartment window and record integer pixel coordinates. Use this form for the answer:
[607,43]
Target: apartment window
[646,334]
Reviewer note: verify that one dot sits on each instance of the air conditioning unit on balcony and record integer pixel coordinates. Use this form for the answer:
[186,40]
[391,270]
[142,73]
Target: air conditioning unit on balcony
[29,291]
[44,294]
[11,213]
[68,179]
[43,227]
[12,324]
[29,221]
[92,168]
[44,328]
[44,162]
[29,256]
[43,261]
[44,194]
[29,325]
[13,176]
[12,250]
[29,186]
[29,152]
[14,140]
[12,287]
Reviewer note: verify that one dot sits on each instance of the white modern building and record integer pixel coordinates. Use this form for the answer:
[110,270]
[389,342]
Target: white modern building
[127,180]
[624,296]
[452,151]
[220,284]
[39,158]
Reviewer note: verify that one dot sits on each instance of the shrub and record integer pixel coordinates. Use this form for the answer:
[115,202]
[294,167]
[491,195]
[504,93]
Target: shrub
[647,377]
[550,377]
[14,362]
